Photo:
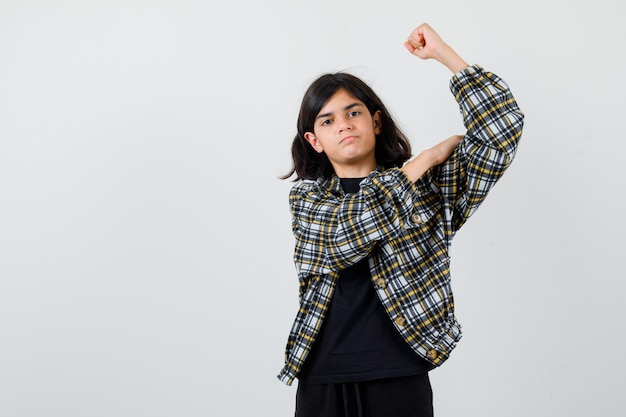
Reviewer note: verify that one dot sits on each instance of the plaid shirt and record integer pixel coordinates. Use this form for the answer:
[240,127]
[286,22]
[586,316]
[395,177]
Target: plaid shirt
[403,228]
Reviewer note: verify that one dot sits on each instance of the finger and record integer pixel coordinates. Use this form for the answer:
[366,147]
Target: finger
[412,45]
[409,47]
[412,48]
[417,40]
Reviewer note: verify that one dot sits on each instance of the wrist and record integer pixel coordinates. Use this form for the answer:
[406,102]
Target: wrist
[449,58]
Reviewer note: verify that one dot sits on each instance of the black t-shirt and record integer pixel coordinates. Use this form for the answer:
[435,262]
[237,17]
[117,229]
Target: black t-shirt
[357,341]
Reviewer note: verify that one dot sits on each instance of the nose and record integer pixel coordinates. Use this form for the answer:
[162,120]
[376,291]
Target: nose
[344,124]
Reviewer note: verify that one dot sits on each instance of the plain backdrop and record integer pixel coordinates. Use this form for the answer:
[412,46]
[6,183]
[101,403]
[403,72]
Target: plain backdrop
[145,242]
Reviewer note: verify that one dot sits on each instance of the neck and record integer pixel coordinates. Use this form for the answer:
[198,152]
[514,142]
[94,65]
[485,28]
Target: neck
[354,171]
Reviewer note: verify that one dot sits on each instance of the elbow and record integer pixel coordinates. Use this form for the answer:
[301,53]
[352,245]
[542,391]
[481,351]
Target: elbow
[514,128]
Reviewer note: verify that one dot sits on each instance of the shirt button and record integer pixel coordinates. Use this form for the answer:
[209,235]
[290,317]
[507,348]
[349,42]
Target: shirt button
[416,218]
[381,283]
[432,354]
[400,321]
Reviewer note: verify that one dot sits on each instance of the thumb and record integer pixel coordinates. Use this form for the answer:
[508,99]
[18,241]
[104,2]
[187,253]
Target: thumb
[415,50]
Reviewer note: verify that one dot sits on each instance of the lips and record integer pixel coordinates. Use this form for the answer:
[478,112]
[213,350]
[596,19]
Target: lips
[347,139]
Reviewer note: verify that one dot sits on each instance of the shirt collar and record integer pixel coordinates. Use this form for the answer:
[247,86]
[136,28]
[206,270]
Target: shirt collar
[333,184]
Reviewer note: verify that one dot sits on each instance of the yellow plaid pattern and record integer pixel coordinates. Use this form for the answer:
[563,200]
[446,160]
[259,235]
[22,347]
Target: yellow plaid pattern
[405,229]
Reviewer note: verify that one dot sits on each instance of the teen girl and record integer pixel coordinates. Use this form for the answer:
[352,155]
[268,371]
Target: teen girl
[372,236]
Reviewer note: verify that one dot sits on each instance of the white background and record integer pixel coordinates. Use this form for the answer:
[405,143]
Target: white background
[145,243]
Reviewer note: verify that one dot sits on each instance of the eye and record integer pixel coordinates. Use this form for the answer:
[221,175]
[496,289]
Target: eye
[354,113]
[325,122]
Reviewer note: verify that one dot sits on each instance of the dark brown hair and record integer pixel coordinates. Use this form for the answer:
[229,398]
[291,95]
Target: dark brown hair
[392,146]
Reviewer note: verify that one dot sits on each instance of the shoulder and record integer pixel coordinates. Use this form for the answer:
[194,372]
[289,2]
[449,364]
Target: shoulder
[305,187]
[311,189]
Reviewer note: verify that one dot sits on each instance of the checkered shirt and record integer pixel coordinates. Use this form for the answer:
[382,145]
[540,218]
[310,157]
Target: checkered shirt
[404,229]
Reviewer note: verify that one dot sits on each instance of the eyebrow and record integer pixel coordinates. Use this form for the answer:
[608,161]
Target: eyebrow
[348,107]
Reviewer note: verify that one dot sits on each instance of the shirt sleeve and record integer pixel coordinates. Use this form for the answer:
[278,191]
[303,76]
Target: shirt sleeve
[334,231]
[494,125]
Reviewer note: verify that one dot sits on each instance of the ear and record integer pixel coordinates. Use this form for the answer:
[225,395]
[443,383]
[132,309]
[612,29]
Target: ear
[377,118]
[312,139]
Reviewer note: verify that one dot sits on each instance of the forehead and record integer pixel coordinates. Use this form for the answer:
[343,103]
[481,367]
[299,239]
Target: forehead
[339,101]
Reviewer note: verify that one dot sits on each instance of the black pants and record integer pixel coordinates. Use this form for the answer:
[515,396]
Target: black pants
[409,396]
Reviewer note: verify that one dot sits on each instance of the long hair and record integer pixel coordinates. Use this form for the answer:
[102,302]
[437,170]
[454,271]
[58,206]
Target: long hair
[392,147]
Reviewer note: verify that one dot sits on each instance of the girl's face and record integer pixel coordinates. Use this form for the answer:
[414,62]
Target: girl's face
[346,131]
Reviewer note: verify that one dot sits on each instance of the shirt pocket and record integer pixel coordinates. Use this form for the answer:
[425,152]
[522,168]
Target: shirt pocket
[423,239]
[426,207]
[427,301]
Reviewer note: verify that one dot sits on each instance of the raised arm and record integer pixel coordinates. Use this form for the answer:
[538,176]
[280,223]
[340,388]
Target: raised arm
[425,43]
[493,121]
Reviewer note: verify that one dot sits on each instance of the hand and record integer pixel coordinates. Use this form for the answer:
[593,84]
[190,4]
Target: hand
[425,43]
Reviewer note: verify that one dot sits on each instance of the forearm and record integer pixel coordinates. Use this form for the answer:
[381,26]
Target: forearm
[449,58]
[429,158]
[418,166]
